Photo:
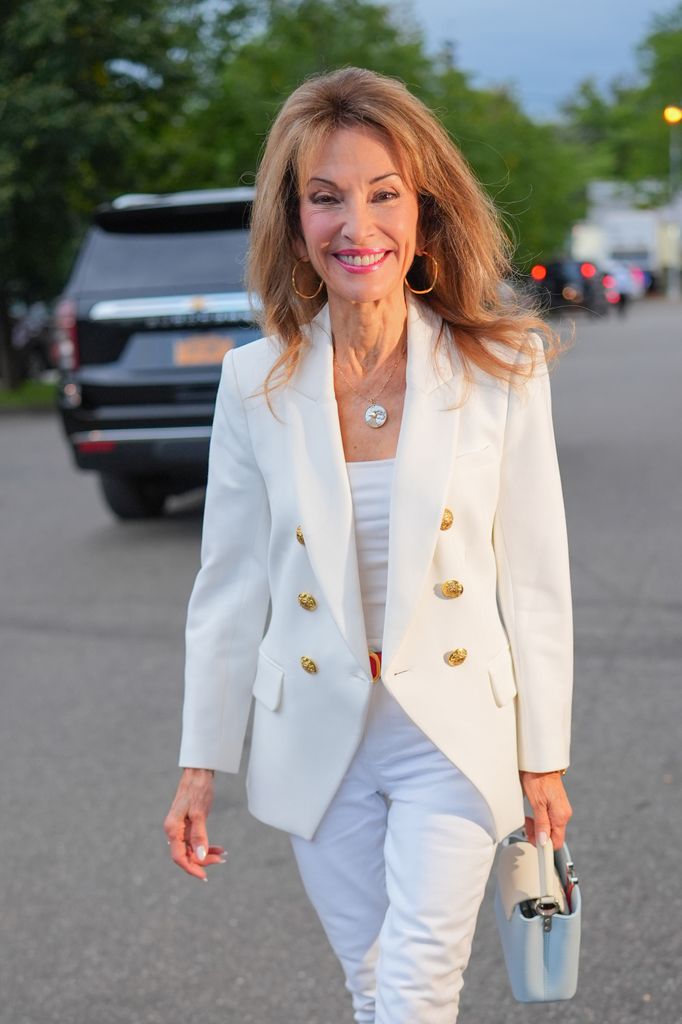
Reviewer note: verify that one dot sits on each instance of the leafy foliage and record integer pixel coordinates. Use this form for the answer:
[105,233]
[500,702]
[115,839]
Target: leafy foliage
[624,126]
[83,88]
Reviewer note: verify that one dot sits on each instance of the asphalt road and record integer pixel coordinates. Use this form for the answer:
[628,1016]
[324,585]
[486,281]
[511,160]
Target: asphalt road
[98,927]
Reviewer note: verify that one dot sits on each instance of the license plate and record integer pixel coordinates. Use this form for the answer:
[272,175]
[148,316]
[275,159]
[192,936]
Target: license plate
[201,349]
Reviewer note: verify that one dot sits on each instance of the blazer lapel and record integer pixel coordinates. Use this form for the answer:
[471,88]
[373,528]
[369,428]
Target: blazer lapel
[426,448]
[323,489]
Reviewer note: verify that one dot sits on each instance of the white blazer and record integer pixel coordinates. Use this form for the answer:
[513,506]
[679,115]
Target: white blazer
[278,523]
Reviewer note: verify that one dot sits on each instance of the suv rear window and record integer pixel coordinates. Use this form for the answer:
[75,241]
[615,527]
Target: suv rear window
[158,261]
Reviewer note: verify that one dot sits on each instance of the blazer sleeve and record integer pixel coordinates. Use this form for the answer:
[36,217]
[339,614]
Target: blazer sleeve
[534,588]
[229,603]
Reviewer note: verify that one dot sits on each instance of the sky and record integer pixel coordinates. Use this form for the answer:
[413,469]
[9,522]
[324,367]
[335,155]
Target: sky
[544,48]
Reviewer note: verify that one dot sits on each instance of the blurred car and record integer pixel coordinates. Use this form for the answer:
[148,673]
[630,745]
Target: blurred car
[627,279]
[155,299]
[567,284]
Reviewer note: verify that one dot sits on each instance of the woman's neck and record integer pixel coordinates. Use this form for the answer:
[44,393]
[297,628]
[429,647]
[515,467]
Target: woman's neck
[367,334]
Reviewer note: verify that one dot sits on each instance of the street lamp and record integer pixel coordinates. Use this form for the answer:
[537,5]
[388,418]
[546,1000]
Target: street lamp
[672,115]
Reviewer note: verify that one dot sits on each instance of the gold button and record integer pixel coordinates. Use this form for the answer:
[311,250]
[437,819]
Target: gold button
[457,656]
[452,588]
[308,664]
[299,535]
[307,601]
[447,520]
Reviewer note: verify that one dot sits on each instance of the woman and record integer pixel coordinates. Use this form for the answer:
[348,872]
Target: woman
[384,556]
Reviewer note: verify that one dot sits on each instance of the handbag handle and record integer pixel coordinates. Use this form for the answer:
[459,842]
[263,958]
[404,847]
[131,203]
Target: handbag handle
[547,905]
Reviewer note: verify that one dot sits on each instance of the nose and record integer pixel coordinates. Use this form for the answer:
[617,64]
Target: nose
[358,226]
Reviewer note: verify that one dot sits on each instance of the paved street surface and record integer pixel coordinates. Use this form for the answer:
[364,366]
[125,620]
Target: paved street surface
[98,927]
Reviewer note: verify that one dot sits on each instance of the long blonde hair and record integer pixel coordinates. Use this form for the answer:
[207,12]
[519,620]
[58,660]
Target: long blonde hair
[459,222]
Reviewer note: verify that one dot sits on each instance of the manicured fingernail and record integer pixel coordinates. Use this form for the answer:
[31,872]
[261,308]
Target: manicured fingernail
[222,861]
[542,838]
[201,852]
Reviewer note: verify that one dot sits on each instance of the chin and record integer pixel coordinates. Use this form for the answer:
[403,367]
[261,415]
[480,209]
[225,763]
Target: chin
[364,291]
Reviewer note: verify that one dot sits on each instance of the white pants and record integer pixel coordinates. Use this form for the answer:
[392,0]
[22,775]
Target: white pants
[397,870]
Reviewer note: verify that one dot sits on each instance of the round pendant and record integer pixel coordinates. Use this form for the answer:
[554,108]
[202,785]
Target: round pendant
[375,415]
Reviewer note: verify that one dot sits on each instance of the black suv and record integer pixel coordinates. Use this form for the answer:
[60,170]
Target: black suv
[155,299]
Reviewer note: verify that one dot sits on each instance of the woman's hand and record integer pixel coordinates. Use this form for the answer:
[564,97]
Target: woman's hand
[185,823]
[551,807]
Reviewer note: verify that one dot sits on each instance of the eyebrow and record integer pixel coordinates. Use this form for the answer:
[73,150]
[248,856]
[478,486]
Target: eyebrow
[381,177]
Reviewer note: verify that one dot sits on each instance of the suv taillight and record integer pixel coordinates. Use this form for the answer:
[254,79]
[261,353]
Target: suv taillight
[65,352]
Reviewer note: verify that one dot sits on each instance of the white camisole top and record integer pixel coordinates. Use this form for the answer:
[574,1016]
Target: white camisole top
[370,484]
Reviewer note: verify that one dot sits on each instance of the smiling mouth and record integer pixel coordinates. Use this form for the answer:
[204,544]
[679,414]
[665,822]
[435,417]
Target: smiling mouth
[366,260]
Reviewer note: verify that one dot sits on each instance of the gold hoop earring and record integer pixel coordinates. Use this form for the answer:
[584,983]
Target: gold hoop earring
[302,295]
[425,291]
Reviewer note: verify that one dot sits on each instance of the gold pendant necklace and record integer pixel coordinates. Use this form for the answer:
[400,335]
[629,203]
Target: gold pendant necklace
[375,414]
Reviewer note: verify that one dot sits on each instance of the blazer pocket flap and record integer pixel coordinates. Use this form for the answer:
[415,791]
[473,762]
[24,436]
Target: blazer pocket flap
[501,675]
[267,686]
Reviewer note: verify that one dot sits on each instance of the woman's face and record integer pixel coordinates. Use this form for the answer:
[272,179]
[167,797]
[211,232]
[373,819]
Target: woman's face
[358,218]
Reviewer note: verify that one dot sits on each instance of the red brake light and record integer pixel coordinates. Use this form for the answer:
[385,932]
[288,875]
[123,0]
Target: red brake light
[608,281]
[65,340]
[588,269]
[538,273]
[99,447]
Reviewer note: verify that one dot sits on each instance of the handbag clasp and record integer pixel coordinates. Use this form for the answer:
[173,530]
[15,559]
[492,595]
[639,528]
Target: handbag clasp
[547,907]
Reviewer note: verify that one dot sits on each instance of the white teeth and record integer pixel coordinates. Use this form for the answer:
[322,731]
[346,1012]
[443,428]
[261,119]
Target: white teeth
[361,261]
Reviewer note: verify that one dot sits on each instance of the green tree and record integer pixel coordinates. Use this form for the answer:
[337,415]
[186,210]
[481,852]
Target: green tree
[221,142]
[83,86]
[623,126]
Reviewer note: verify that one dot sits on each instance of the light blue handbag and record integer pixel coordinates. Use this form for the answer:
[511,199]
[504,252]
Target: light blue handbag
[538,908]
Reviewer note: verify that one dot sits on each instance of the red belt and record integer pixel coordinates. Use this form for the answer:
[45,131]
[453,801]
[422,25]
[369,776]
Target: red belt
[375,664]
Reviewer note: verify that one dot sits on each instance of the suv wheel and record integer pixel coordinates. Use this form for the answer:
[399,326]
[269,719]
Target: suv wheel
[132,498]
